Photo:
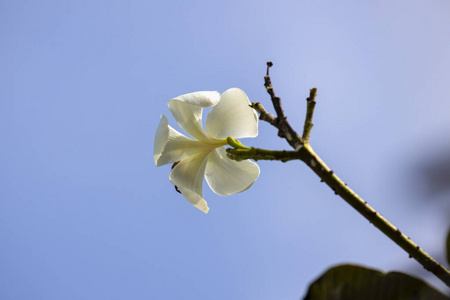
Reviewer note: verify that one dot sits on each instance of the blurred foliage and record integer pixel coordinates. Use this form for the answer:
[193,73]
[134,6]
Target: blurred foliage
[448,247]
[434,173]
[352,282]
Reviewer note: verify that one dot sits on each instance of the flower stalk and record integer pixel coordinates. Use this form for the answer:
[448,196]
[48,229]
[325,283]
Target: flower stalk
[261,154]
[236,144]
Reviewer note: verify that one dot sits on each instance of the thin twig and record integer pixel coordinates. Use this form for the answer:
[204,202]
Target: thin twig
[263,114]
[310,104]
[275,100]
[284,128]
[261,154]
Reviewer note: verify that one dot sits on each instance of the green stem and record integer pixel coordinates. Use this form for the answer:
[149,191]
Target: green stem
[308,156]
[236,143]
[261,154]
[310,105]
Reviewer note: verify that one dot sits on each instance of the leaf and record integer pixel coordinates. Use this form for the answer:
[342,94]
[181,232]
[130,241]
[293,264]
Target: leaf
[350,282]
[448,248]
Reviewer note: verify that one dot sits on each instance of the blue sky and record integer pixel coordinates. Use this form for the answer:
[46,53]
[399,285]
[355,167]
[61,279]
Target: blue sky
[84,212]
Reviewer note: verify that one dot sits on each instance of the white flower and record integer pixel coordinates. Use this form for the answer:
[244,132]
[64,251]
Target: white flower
[205,156]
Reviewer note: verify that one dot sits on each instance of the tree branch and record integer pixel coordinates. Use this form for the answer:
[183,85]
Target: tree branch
[310,105]
[261,154]
[263,114]
[303,151]
[309,157]
[284,128]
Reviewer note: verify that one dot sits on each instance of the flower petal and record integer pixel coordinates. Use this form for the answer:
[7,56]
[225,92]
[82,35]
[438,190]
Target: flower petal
[187,111]
[226,176]
[171,146]
[232,116]
[188,177]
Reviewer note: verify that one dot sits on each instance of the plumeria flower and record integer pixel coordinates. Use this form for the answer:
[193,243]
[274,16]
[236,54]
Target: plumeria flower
[205,155]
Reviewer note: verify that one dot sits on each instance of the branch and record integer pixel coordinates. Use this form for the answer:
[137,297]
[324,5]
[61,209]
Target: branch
[263,114]
[303,151]
[310,104]
[261,154]
[275,100]
[284,128]
[309,157]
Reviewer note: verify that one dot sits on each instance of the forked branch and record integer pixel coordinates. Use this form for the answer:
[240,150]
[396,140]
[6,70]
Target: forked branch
[303,151]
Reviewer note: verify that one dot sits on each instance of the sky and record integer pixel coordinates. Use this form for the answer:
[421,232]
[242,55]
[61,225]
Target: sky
[86,214]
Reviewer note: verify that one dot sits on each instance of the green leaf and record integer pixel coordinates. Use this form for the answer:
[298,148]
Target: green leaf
[350,282]
[448,248]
